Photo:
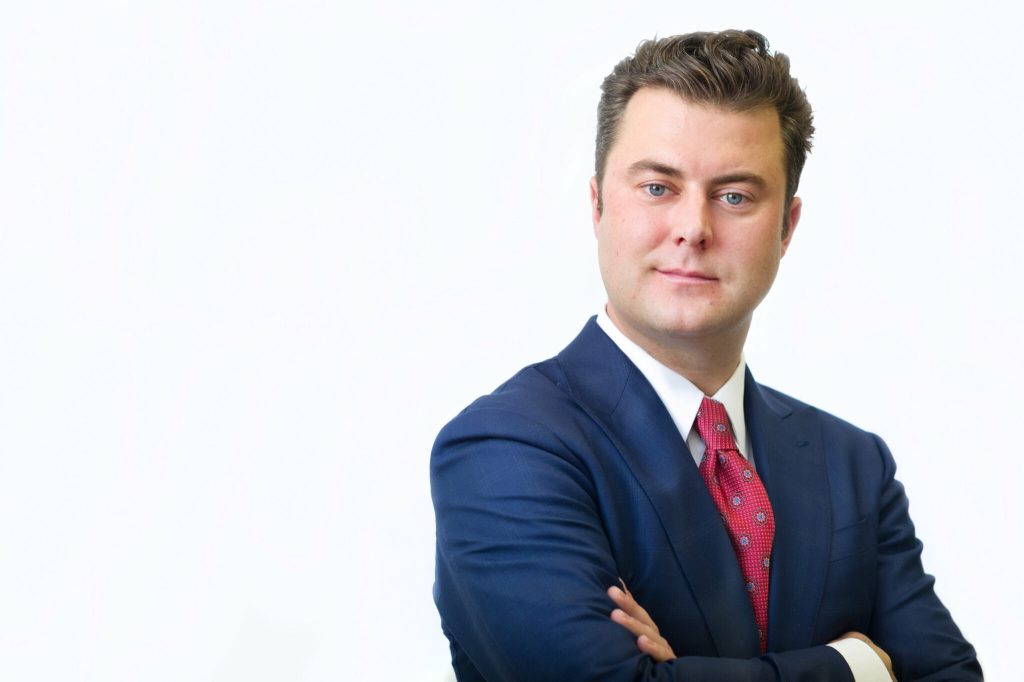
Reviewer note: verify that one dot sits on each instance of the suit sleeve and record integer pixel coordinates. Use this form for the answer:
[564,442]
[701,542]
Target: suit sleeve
[909,621]
[523,563]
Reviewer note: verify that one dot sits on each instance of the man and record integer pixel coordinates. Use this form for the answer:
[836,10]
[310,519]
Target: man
[766,539]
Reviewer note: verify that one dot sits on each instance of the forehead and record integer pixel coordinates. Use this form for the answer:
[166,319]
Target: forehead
[661,125]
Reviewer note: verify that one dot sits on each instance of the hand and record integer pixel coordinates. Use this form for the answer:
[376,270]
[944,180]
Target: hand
[634,618]
[879,652]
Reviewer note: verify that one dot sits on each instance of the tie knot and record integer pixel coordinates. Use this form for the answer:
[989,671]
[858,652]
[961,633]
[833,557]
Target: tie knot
[713,426]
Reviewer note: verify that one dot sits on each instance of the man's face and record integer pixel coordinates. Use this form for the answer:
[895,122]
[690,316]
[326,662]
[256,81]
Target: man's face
[690,230]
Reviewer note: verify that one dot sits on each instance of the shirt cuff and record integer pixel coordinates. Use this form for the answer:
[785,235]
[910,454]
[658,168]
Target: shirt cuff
[864,663]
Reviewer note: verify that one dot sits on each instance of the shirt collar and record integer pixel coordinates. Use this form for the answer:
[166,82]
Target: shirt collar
[681,398]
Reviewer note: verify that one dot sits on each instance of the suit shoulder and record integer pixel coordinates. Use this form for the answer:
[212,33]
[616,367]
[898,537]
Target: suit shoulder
[827,420]
[538,394]
[847,447]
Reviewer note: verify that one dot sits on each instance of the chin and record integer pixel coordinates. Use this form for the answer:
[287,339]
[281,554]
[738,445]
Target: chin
[690,328]
[680,330]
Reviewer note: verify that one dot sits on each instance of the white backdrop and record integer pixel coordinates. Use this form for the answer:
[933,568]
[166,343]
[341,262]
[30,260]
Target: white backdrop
[253,255]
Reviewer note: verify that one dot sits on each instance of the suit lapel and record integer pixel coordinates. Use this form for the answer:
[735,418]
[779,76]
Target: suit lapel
[790,459]
[617,396]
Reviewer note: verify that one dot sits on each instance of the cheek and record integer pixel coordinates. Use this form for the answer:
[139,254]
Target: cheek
[759,245]
[765,262]
[638,235]
[622,241]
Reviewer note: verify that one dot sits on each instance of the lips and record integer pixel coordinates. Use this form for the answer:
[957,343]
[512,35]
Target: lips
[686,275]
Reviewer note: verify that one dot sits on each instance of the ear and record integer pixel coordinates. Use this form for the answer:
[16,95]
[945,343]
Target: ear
[795,206]
[595,203]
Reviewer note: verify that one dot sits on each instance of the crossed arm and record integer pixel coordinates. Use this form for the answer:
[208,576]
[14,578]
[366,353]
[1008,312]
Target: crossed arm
[525,560]
[630,615]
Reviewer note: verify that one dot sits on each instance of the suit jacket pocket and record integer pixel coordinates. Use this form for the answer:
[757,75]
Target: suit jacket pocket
[853,539]
[849,596]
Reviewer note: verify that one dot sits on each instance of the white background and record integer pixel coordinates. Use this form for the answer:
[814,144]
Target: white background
[253,255]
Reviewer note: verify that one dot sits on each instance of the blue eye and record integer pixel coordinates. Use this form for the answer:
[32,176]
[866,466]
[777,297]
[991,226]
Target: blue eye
[656,190]
[733,198]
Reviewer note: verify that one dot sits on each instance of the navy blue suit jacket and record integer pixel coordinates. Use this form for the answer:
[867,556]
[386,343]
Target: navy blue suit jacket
[572,474]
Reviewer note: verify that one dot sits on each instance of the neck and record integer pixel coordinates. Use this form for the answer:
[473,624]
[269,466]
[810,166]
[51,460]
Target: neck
[706,361]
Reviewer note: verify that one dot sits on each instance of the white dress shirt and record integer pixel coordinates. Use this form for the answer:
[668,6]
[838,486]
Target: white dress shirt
[682,400]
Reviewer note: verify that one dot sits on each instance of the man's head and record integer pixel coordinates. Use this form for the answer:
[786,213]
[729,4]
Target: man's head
[701,142]
[729,70]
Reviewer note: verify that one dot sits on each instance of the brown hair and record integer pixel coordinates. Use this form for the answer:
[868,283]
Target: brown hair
[729,69]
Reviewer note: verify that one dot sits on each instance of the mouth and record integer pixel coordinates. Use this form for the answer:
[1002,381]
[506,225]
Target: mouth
[686,276]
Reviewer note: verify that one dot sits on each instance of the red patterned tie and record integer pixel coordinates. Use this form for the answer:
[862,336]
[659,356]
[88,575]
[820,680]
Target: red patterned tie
[740,497]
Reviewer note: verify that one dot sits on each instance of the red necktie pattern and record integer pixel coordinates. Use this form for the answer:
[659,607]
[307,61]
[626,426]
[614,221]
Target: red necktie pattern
[743,503]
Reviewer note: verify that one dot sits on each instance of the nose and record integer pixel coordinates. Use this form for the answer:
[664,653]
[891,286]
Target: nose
[691,222]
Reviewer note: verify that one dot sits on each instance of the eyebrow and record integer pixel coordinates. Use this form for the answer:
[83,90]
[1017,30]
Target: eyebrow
[673,172]
[748,178]
[656,166]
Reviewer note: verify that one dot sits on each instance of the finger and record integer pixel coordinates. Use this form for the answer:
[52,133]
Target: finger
[635,626]
[649,641]
[658,649]
[625,601]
